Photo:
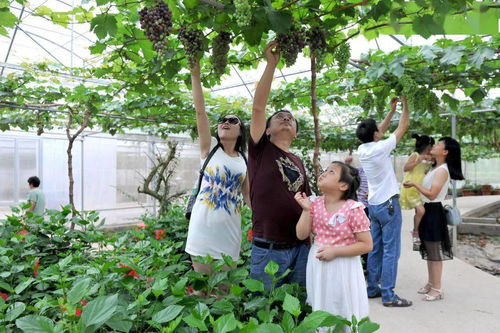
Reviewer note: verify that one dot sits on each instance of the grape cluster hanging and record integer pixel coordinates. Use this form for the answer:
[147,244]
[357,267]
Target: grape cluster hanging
[156,22]
[367,102]
[220,48]
[192,39]
[291,43]
[242,13]
[342,55]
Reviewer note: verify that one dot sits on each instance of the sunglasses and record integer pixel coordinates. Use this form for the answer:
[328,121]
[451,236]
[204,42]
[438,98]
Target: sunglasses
[230,120]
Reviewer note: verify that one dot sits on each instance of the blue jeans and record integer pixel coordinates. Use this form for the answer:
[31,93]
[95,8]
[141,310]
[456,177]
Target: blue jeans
[383,259]
[294,259]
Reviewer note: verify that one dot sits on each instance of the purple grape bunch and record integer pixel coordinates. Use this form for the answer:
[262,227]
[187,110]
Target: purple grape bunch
[220,48]
[291,44]
[156,22]
[192,39]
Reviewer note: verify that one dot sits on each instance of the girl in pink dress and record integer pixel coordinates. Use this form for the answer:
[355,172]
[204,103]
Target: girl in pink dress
[341,233]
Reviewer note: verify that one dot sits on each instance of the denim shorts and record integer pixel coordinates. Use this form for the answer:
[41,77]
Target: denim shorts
[294,259]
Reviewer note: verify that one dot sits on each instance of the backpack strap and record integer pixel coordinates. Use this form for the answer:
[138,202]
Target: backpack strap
[202,170]
[244,157]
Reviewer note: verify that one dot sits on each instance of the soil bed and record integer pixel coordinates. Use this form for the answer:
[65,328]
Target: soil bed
[481,251]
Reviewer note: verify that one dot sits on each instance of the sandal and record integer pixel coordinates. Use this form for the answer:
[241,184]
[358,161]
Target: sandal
[415,240]
[432,298]
[398,302]
[425,290]
[376,295]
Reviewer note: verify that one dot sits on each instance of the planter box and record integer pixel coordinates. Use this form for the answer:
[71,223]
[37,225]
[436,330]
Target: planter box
[486,188]
[468,192]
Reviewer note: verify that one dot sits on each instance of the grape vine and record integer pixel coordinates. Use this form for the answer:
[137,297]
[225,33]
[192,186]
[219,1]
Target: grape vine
[367,102]
[291,43]
[432,101]
[398,89]
[410,89]
[220,48]
[156,22]
[193,44]
[418,99]
[380,104]
[316,39]
[408,85]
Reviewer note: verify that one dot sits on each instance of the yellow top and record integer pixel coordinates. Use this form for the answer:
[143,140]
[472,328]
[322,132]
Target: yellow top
[418,173]
[410,197]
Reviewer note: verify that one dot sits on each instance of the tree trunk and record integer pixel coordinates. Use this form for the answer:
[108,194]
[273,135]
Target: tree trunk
[314,111]
[69,151]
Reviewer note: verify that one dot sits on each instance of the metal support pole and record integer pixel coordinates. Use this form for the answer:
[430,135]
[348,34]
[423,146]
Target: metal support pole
[82,171]
[149,164]
[242,81]
[41,46]
[453,182]
[72,42]
[39,158]
[16,171]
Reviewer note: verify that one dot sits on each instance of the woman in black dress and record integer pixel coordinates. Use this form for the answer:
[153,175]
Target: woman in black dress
[433,230]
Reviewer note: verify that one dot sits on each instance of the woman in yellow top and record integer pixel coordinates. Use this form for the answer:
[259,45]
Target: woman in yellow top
[416,167]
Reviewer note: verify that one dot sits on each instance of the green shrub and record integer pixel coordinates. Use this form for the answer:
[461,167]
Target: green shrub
[54,279]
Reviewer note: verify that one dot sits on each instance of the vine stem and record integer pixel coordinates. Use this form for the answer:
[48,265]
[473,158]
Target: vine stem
[339,9]
[289,4]
[314,111]
[69,151]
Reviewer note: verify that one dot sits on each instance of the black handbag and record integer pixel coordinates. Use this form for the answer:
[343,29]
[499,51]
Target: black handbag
[196,190]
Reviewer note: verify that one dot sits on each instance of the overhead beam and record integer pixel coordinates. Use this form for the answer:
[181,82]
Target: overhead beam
[60,74]
[12,40]
[41,46]
[52,42]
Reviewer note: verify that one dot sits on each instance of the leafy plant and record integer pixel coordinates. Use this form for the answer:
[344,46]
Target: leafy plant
[55,279]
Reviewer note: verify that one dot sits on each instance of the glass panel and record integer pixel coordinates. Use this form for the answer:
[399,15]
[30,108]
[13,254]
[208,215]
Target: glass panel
[55,179]
[131,167]
[27,152]
[7,171]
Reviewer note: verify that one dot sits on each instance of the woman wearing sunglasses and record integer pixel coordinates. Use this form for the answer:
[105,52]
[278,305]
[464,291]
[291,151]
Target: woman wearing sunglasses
[215,223]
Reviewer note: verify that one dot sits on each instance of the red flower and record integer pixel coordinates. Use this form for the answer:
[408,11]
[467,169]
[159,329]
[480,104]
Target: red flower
[160,233]
[36,267]
[250,235]
[84,302]
[5,296]
[22,233]
[189,290]
[78,312]
[133,273]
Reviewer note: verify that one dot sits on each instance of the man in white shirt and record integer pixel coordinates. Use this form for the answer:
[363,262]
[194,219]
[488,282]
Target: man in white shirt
[383,205]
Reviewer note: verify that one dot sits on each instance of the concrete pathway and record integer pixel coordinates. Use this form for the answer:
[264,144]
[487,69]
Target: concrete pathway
[471,297]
